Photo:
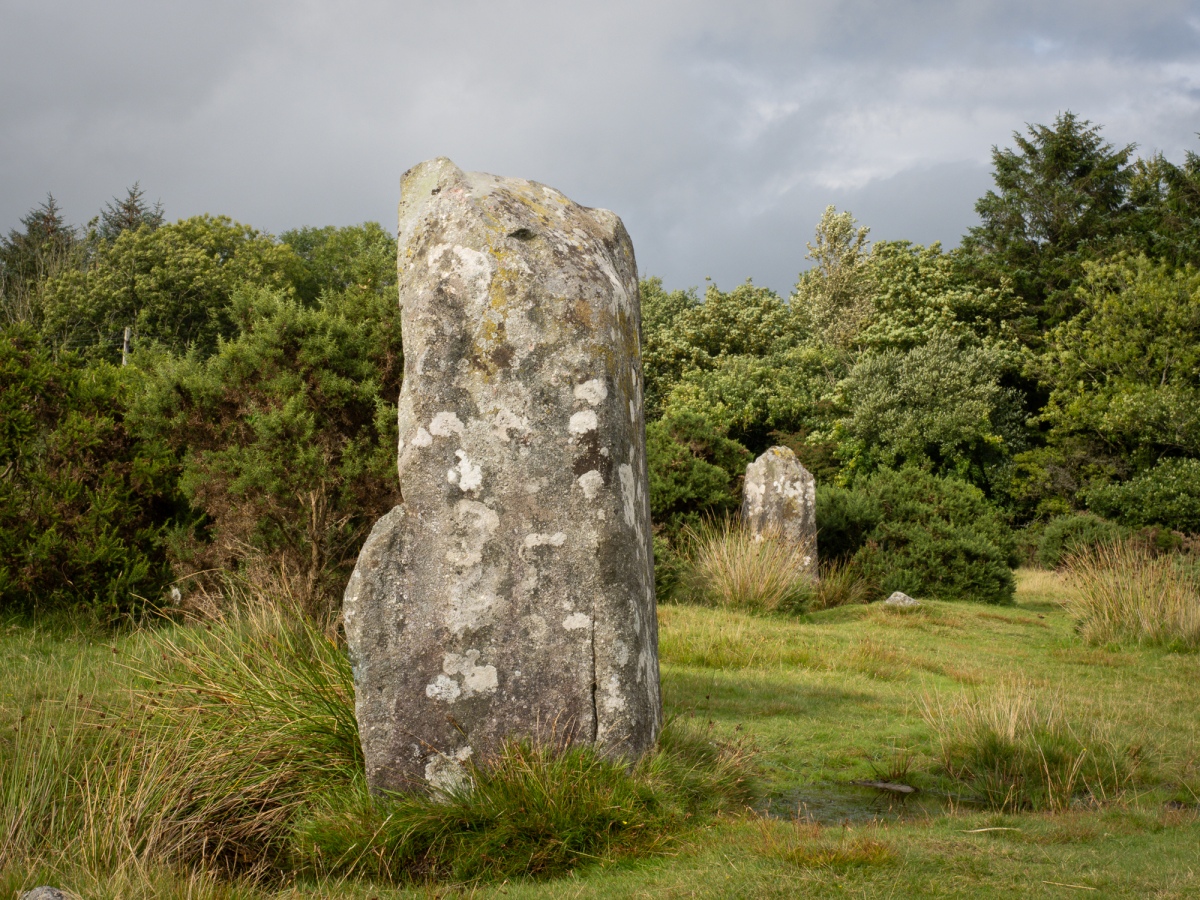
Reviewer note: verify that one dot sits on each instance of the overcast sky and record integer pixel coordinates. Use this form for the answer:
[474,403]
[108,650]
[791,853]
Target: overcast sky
[718,131]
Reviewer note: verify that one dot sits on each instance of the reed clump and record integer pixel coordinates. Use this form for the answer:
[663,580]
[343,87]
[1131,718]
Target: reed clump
[729,566]
[1125,591]
[1017,748]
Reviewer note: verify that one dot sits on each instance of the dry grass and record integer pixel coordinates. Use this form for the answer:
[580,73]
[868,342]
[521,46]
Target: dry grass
[729,566]
[810,846]
[1016,747]
[842,584]
[1124,592]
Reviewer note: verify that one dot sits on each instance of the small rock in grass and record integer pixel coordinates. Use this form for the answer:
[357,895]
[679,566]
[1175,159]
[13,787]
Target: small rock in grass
[45,892]
[899,598]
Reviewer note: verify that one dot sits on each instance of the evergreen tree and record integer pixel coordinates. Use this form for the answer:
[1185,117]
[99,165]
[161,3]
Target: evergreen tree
[129,214]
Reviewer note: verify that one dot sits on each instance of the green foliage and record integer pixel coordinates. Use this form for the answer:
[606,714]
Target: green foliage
[128,214]
[287,440]
[694,469]
[1125,371]
[1067,535]
[357,257]
[833,299]
[173,284]
[83,501]
[938,405]
[912,531]
[1168,494]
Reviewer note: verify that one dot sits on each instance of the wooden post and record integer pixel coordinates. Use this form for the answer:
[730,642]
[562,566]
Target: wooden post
[125,347]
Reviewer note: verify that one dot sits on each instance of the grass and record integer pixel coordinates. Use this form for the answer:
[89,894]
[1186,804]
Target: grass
[1123,591]
[729,566]
[819,700]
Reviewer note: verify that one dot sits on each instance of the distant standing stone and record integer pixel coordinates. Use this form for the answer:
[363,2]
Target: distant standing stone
[780,497]
[899,598]
[512,593]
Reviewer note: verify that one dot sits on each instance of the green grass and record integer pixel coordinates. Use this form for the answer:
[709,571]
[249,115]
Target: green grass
[818,701]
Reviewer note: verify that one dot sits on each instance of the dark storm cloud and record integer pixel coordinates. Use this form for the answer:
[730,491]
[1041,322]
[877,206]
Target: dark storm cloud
[718,133]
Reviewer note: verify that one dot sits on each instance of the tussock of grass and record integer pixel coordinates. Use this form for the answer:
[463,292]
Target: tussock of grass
[532,812]
[234,759]
[1122,591]
[729,566]
[842,583]
[1015,748]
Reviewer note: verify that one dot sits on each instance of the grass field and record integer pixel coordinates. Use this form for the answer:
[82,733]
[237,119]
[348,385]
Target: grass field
[861,693]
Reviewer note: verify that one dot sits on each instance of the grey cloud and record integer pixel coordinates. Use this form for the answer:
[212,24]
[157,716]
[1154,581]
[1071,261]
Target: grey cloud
[718,133]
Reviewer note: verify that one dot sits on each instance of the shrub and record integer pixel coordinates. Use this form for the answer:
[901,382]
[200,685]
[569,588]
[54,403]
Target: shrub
[1168,494]
[694,467]
[731,567]
[1124,591]
[287,441]
[908,530]
[1015,748]
[1067,535]
[83,502]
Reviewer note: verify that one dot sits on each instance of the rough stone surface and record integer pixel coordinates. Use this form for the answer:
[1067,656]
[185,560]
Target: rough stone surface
[45,892]
[512,593]
[899,598]
[780,497]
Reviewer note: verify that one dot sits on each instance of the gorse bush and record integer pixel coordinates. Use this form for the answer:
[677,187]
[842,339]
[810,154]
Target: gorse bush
[1017,748]
[912,531]
[84,502]
[728,565]
[1067,535]
[1123,591]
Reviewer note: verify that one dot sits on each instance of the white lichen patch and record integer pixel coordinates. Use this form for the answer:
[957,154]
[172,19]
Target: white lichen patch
[443,688]
[593,392]
[590,483]
[505,421]
[614,700]
[468,476]
[583,421]
[446,424]
[446,773]
[576,621]
[628,494]
[422,438]
[542,540]
[476,680]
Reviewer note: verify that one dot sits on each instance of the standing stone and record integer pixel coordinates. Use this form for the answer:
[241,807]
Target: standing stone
[780,498]
[512,593]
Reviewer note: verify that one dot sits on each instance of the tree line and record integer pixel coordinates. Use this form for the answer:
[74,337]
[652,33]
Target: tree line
[961,409]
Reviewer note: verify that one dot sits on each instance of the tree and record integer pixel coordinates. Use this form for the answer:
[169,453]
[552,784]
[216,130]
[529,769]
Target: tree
[45,248]
[1061,199]
[359,257]
[128,214]
[1125,371]
[832,300]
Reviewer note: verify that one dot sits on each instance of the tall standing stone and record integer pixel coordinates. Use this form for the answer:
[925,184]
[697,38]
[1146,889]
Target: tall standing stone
[512,593]
[780,498]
